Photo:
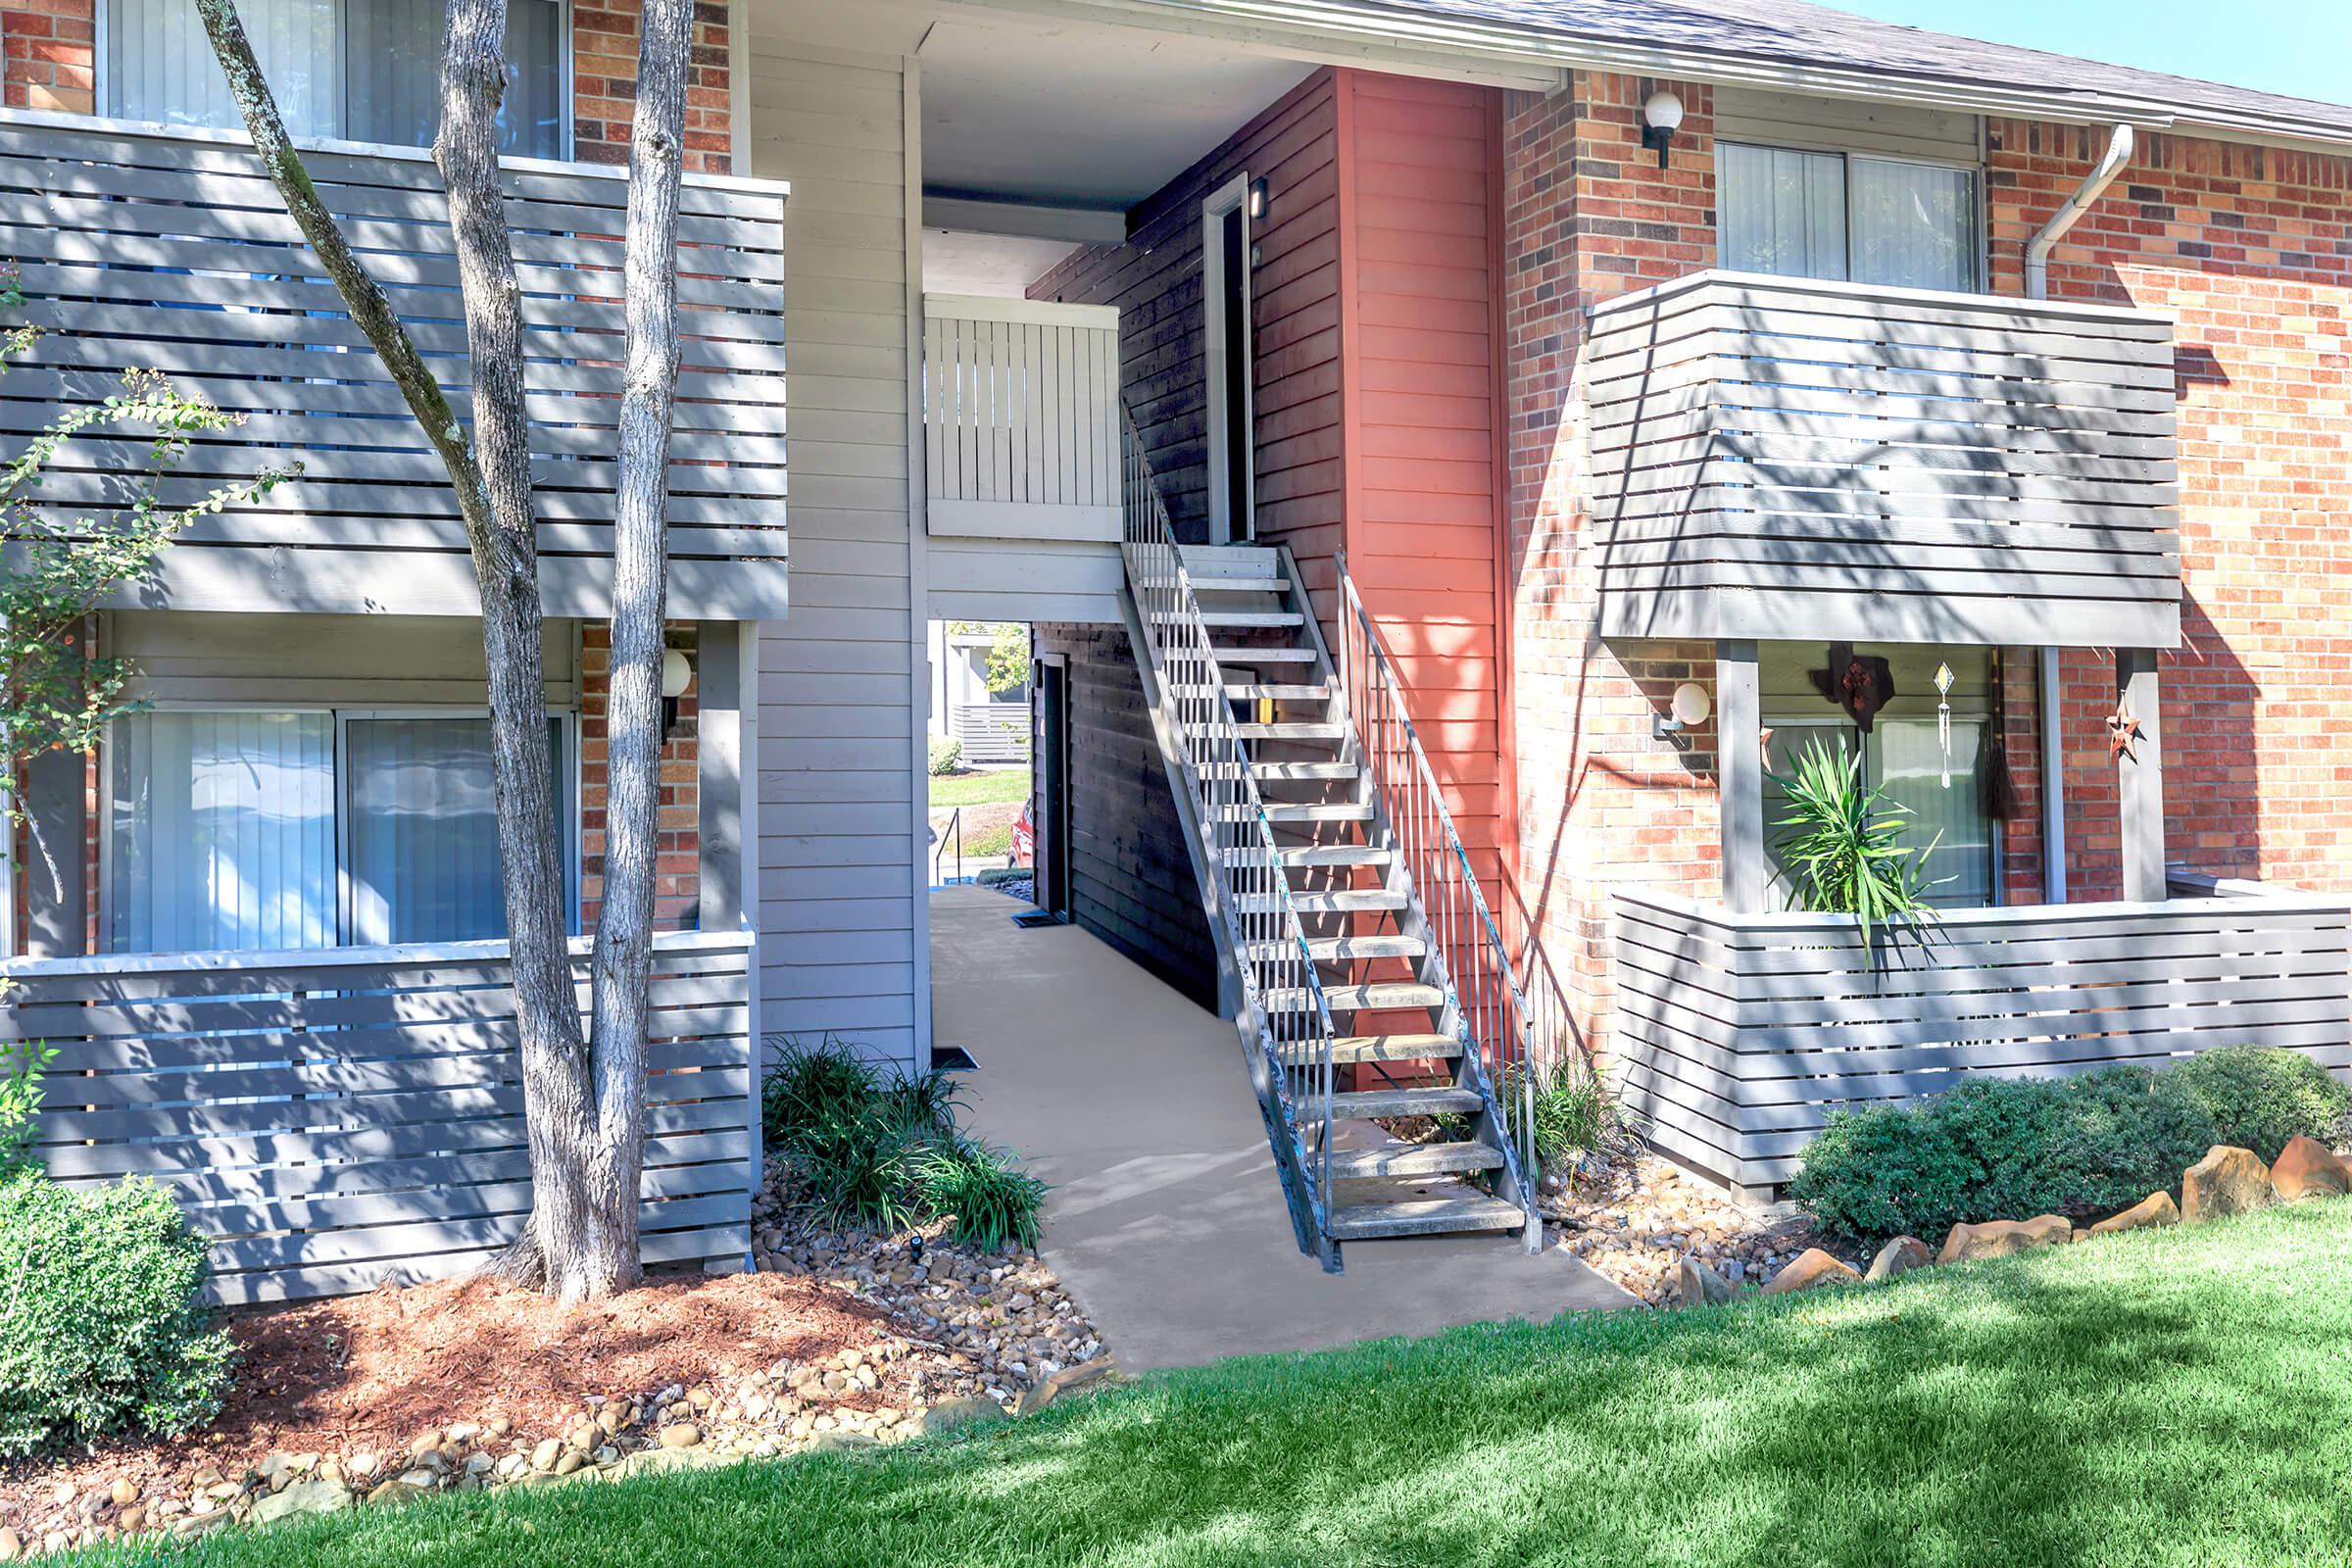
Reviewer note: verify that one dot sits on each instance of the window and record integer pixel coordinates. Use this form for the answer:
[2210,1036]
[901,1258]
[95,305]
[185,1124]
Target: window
[359,70]
[289,830]
[1886,221]
[1904,757]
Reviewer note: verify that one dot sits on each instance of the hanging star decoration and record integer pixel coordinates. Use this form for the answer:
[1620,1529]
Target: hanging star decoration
[2123,732]
[1764,744]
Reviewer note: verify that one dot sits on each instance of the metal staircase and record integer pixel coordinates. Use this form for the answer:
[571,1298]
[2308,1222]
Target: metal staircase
[1368,978]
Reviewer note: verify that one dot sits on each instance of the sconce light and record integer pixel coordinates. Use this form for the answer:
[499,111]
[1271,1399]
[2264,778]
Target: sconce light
[1260,197]
[1661,113]
[1689,710]
[677,674]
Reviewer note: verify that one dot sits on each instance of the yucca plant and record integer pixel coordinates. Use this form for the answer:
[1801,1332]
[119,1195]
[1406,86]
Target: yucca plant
[1842,842]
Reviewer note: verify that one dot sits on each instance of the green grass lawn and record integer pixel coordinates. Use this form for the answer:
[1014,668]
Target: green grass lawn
[981,788]
[2178,1397]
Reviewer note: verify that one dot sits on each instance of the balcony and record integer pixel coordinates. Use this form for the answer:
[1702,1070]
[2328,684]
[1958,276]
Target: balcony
[1782,458]
[1739,1035]
[1021,419]
[145,247]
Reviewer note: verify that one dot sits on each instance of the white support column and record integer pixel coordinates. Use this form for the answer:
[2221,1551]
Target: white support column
[1740,774]
[2140,778]
[2053,781]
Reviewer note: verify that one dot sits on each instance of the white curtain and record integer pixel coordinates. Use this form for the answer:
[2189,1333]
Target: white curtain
[1915,224]
[361,70]
[223,832]
[1910,766]
[1780,210]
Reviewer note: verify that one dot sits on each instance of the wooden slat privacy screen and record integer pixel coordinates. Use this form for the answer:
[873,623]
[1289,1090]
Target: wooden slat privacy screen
[1778,458]
[140,248]
[337,1118]
[1021,419]
[1739,1035]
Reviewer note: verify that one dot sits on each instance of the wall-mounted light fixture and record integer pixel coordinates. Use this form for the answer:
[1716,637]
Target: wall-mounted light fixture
[1260,197]
[1688,710]
[1661,115]
[677,674]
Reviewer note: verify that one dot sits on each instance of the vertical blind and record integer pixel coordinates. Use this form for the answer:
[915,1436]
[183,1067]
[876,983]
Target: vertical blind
[223,833]
[360,70]
[1904,756]
[1827,215]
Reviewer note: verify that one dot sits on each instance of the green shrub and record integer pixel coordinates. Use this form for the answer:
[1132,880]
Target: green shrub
[2259,1098]
[885,1152]
[1994,1148]
[945,752]
[100,1331]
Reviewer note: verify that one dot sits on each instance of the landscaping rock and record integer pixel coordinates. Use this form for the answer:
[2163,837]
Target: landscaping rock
[2002,1237]
[400,1490]
[2227,1181]
[1069,1380]
[2157,1208]
[681,1435]
[1696,1285]
[1899,1256]
[12,1545]
[302,1498]
[1812,1267]
[971,1410]
[2308,1169]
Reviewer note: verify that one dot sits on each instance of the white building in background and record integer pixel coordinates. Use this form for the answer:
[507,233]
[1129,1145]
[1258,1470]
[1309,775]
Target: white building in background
[994,726]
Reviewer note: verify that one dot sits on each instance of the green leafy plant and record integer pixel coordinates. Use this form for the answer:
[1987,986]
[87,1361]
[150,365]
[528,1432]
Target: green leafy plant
[21,1064]
[946,753]
[992,1203]
[1008,668]
[102,1329]
[1842,841]
[2260,1097]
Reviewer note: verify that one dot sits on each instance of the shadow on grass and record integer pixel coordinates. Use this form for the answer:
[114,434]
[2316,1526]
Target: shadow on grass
[2151,1400]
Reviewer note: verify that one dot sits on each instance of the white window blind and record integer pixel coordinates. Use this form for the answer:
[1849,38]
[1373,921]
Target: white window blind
[223,832]
[359,70]
[1782,211]
[1914,224]
[1829,215]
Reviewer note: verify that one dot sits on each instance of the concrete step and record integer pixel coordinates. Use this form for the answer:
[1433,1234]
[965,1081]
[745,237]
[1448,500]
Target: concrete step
[1360,1049]
[1405,1103]
[1350,900]
[1413,1159]
[1424,1216]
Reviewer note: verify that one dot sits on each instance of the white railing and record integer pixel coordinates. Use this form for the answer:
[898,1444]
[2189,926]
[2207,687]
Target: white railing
[990,732]
[1503,1039]
[1281,992]
[1021,419]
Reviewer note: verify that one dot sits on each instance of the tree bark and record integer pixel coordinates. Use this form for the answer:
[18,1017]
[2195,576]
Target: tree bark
[494,498]
[640,589]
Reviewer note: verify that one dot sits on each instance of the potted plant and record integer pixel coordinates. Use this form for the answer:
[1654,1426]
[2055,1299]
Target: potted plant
[1840,841]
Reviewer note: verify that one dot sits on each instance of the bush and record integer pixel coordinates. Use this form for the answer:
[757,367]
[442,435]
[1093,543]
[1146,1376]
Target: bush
[2259,1098]
[100,1331]
[885,1152]
[946,753]
[2091,1144]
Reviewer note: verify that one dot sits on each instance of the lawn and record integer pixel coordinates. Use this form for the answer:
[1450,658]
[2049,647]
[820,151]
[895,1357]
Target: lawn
[981,787]
[2175,1397]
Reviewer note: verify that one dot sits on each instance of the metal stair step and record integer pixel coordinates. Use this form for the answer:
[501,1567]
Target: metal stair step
[1291,732]
[1240,653]
[1301,772]
[1360,1049]
[1378,997]
[1294,812]
[1240,585]
[1405,1103]
[1234,617]
[1424,1216]
[1314,855]
[1413,1159]
[1340,950]
[1247,691]
[1348,900]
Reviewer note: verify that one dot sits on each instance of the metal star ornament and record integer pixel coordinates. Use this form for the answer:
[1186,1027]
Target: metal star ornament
[2123,732]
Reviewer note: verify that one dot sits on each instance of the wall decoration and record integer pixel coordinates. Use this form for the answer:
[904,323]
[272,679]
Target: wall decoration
[1859,683]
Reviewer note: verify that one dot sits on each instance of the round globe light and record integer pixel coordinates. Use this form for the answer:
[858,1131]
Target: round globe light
[1663,111]
[1691,705]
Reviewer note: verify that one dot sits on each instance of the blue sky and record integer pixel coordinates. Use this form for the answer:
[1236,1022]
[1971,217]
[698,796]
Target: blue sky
[2299,47]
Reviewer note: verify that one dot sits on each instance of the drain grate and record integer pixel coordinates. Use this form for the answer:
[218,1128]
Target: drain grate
[1031,920]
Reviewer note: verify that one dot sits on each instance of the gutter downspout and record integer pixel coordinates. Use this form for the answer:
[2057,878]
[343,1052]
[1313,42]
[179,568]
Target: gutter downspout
[2037,287]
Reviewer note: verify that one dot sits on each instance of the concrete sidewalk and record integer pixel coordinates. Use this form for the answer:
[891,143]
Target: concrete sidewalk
[1166,1219]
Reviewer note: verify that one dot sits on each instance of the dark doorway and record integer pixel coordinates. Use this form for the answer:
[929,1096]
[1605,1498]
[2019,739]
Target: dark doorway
[1049,711]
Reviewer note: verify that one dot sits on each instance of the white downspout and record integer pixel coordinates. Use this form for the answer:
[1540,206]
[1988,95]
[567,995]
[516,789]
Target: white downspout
[2037,287]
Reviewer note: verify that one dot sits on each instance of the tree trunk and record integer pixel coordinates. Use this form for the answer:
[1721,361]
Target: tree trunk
[640,585]
[494,500]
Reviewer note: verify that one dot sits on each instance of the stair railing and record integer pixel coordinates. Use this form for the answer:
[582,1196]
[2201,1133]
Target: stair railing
[1496,1026]
[1279,983]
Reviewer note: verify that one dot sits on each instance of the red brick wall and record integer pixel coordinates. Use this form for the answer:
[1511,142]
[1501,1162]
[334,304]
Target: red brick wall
[1601,802]
[2249,250]
[678,886]
[51,50]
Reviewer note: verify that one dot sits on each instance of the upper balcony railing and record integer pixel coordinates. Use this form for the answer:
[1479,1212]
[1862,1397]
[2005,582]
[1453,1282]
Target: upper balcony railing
[145,247]
[1777,458]
[1021,419]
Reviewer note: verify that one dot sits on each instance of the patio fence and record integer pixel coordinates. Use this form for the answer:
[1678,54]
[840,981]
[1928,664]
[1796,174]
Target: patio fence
[335,1119]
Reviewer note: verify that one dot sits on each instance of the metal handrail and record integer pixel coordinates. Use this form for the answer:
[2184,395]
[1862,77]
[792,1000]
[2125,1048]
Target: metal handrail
[1280,986]
[1497,1027]
[955,827]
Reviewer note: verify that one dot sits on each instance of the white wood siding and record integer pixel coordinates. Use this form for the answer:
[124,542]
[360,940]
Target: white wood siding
[1846,125]
[841,929]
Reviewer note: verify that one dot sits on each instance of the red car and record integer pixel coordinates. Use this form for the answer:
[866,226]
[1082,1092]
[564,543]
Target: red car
[1024,839]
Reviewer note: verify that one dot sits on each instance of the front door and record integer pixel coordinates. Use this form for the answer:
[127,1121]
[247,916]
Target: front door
[1225,299]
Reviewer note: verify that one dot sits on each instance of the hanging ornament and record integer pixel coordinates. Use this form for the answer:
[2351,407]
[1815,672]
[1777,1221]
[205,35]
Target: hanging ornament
[1858,683]
[2123,731]
[1943,719]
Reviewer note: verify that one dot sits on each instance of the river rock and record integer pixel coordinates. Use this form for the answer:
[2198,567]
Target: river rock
[300,1499]
[1696,1285]
[1069,1380]
[1812,1267]
[2227,1181]
[2308,1169]
[2002,1237]
[1899,1256]
[2157,1208]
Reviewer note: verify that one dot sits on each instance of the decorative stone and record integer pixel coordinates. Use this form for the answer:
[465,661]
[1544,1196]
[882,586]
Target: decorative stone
[400,1490]
[2227,1181]
[970,1409]
[131,1520]
[303,1497]
[1812,1267]
[2157,1208]
[123,1491]
[1696,1285]
[1899,1256]
[12,1545]
[2000,1237]
[545,1455]
[1069,1380]
[2308,1169]
[572,1460]
[681,1435]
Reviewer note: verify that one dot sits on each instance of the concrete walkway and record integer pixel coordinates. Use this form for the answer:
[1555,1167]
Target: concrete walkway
[1166,1219]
